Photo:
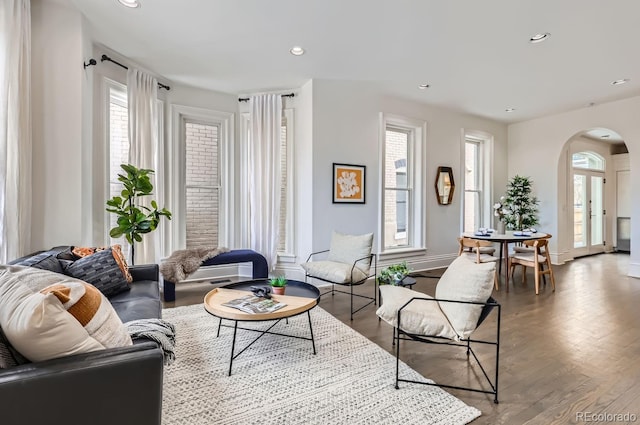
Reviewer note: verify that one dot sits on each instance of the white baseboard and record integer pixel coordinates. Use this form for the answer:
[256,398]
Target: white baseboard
[295,272]
[220,272]
[425,263]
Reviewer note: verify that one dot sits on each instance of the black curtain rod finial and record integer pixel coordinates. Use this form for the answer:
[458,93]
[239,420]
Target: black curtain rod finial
[91,62]
[107,58]
[246,99]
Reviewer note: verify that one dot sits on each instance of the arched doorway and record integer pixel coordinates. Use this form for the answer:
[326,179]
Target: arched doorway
[593,191]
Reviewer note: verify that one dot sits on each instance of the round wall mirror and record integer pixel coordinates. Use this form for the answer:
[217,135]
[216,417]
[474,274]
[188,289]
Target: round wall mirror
[445,185]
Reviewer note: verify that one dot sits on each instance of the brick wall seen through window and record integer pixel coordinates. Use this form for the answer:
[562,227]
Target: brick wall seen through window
[202,184]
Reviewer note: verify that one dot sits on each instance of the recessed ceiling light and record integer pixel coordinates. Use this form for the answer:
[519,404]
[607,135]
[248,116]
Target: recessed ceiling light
[540,37]
[605,136]
[510,109]
[621,81]
[130,3]
[297,51]
[423,86]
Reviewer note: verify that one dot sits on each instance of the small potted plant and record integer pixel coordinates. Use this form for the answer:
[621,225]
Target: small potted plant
[278,284]
[393,274]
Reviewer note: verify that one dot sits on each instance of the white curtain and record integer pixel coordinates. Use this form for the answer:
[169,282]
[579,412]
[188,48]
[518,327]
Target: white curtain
[264,174]
[15,129]
[144,152]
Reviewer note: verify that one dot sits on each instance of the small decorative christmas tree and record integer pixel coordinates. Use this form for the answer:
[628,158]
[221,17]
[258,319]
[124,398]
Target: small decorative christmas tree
[520,207]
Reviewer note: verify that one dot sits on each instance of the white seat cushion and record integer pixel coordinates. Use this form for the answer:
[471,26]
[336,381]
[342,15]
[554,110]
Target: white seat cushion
[523,249]
[350,248]
[334,271]
[419,317]
[483,250]
[527,256]
[464,280]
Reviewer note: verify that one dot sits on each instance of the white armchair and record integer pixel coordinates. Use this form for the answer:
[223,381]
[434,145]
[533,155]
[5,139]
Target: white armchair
[348,262]
[462,302]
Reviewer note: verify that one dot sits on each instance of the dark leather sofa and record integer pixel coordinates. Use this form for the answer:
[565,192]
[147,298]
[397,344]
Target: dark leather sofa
[117,386]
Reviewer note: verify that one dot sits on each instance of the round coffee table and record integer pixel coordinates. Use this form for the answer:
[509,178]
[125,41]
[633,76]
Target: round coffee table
[300,298]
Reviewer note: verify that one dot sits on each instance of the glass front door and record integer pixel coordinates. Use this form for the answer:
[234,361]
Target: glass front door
[588,212]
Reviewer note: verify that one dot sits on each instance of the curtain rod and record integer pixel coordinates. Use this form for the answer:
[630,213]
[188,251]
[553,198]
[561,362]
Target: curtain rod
[246,99]
[107,58]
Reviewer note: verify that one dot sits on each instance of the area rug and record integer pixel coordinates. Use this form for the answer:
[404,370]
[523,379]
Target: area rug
[279,380]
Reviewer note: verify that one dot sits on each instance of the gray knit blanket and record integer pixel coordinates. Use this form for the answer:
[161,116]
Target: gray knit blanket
[182,263]
[158,330]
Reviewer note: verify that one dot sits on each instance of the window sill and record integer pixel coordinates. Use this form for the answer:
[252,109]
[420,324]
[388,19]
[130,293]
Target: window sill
[401,253]
[285,258]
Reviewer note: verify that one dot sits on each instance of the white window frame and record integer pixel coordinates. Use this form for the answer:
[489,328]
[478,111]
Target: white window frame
[416,182]
[288,255]
[177,172]
[485,154]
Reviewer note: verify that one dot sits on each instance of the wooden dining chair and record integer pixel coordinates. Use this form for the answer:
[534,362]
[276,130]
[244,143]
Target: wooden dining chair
[538,258]
[524,248]
[490,249]
[473,248]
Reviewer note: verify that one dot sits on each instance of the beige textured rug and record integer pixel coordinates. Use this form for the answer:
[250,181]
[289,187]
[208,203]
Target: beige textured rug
[279,381]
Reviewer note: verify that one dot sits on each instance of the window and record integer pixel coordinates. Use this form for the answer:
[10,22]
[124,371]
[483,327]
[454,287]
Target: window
[202,188]
[473,196]
[200,171]
[402,189]
[118,131]
[587,160]
[477,181]
[285,243]
[397,191]
[117,152]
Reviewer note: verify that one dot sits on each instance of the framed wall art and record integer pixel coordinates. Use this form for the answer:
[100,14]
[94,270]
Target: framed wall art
[348,184]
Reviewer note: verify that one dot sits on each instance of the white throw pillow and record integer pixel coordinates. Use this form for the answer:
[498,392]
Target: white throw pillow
[349,248]
[92,310]
[464,280]
[334,271]
[419,317]
[37,324]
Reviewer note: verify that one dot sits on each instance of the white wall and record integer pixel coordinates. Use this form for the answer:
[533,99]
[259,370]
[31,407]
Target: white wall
[536,147]
[345,130]
[58,83]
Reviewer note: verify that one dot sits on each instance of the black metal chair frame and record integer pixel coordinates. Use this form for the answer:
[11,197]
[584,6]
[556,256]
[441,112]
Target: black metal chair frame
[372,300]
[399,334]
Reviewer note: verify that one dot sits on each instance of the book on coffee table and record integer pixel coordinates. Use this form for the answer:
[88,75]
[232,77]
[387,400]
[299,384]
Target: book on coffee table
[254,305]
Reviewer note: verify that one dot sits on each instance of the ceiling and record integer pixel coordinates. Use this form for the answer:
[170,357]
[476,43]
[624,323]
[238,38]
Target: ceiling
[603,135]
[475,55]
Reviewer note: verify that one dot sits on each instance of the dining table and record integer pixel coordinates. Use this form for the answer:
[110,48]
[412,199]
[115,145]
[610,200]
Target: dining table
[504,239]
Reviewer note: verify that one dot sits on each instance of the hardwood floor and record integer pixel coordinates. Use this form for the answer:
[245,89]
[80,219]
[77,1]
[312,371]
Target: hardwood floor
[564,354]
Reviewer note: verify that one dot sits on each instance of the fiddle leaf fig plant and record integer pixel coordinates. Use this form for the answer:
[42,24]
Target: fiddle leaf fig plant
[134,218]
